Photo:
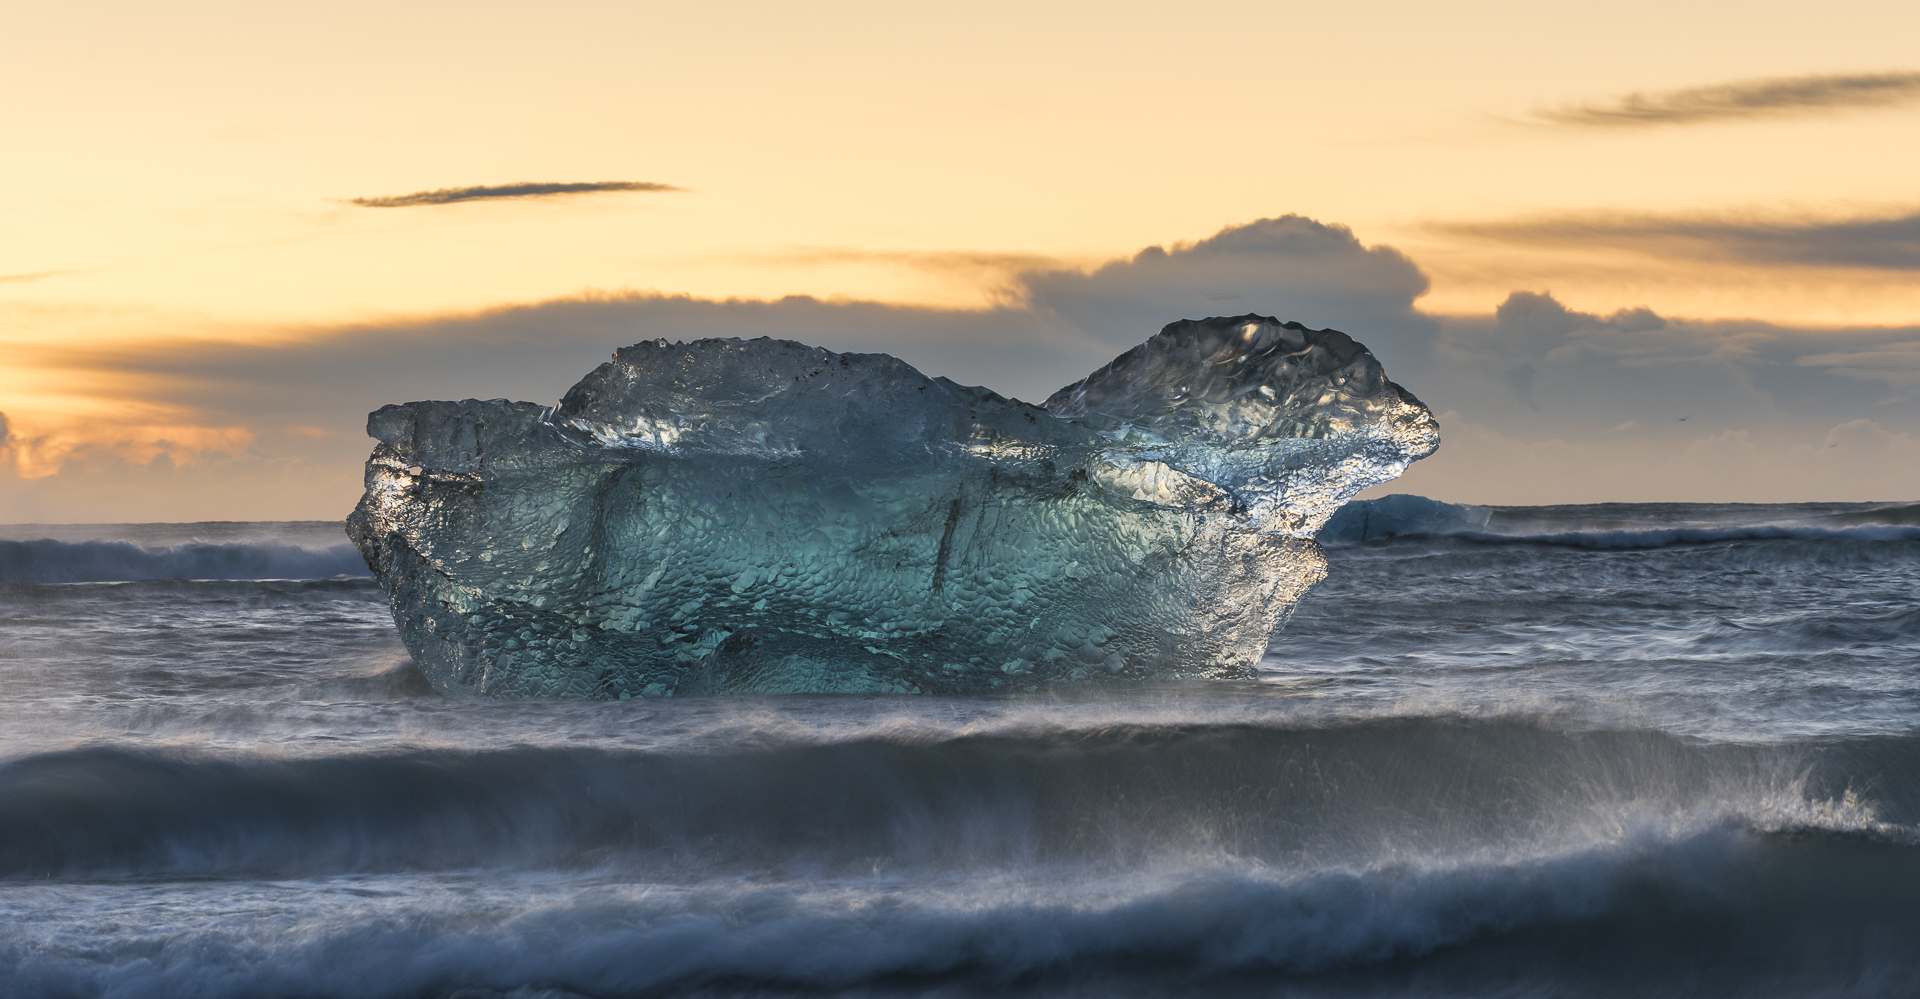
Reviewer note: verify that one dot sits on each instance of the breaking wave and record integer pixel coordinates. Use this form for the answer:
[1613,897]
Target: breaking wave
[50,561]
[1719,903]
[1539,769]
[1404,517]
[1102,860]
[1115,795]
[1745,890]
[1667,537]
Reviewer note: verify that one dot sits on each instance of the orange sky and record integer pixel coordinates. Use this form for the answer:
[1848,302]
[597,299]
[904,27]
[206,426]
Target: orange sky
[184,174]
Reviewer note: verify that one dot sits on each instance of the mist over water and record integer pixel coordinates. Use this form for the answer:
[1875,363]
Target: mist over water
[1569,751]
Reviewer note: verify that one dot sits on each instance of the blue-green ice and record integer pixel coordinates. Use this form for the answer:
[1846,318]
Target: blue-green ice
[728,516]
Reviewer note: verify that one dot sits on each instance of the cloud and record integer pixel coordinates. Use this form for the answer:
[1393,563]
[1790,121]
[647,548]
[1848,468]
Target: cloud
[996,278]
[1858,460]
[1538,370]
[306,398]
[42,275]
[332,377]
[931,260]
[1291,267]
[525,189]
[1545,403]
[1742,100]
[1896,363]
[100,484]
[1887,242]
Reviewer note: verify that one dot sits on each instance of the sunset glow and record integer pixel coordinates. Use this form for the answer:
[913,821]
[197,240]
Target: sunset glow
[228,173]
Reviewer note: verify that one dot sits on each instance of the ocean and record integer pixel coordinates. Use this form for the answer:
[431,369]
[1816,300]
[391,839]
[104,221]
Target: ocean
[1614,750]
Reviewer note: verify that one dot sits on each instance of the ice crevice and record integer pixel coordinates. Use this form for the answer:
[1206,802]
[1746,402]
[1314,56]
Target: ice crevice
[728,516]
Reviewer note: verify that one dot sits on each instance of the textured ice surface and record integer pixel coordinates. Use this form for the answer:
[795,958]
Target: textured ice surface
[729,516]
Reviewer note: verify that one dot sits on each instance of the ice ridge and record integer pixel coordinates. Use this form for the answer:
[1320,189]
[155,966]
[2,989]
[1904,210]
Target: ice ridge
[728,516]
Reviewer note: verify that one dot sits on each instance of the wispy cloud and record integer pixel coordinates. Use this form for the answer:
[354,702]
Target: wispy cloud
[1741,99]
[525,189]
[42,275]
[935,260]
[1890,242]
[1896,363]
[996,277]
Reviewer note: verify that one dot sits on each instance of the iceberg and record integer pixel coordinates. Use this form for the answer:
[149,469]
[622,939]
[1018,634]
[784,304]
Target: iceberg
[758,517]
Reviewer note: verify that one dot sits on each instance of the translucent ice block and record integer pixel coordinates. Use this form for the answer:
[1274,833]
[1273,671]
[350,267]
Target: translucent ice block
[729,516]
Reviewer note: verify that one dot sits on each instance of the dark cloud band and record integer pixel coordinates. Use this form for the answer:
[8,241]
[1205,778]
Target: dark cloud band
[1887,243]
[1547,403]
[1742,100]
[452,195]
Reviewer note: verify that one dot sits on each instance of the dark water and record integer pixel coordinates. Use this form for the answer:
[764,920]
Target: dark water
[1575,751]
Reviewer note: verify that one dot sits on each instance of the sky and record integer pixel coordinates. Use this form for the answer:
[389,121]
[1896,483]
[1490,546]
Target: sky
[1630,251]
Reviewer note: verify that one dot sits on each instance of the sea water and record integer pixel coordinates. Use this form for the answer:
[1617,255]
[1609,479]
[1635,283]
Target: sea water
[1569,751]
